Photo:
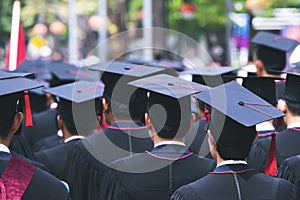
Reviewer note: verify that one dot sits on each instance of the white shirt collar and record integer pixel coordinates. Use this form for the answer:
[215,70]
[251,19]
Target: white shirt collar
[232,162]
[264,127]
[169,142]
[74,137]
[4,148]
[294,125]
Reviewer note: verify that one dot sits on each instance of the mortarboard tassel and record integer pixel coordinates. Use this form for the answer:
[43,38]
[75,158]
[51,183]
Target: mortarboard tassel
[207,114]
[271,165]
[28,119]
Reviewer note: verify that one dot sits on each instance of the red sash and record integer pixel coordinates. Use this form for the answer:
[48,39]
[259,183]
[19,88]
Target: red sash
[15,179]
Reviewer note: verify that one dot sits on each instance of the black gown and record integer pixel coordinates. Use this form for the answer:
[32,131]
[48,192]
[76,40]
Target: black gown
[41,186]
[55,158]
[89,160]
[44,125]
[156,174]
[289,170]
[196,139]
[238,181]
[47,143]
[287,145]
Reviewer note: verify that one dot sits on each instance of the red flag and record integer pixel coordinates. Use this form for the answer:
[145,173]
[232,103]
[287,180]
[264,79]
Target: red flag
[21,54]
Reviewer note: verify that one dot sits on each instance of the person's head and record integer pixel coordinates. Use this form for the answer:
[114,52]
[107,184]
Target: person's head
[233,140]
[235,112]
[13,94]
[271,53]
[78,106]
[170,117]
[76,117]
[292,94]
[121,101]
[169,113]
[11,114]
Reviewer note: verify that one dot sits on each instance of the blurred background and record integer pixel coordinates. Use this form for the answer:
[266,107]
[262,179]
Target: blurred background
[224,28]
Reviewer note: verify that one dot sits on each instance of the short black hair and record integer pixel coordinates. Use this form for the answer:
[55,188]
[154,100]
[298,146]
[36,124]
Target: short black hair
[271,58]
[170,117]
[233,140]
[76,118]
[9,106]
[294,107]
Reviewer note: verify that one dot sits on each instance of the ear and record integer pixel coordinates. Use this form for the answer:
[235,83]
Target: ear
[212,145]
[192,120]
[60,122]
[148,121]
[259,67]
[105,105]
[16,123]
[255,139]
[281,105]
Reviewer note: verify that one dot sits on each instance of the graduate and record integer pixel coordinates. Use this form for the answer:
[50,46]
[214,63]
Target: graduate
[77,118]
[271,52]
[124,108]
[156,174]
[231,133]
[286,140]
[19,179]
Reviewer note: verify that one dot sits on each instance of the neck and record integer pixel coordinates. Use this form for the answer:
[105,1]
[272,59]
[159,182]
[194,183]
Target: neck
[290,118]
[268,125]
[157,139]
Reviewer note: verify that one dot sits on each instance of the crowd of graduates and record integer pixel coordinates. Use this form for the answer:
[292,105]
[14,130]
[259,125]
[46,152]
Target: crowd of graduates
[122,130]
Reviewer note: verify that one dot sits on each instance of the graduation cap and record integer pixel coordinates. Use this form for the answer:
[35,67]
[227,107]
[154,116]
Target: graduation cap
[169,103]
[126,98]
[78,102]
[272,50]
[292,91]
[264,87]
[239,104]
[236,111]
[12,85]
[63,73]
[212,76]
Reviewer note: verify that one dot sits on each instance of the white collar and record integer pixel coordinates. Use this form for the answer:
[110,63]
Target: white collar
[169,142]
[74,137]
[264,127]
[4,148]
[294,125]
[232,162]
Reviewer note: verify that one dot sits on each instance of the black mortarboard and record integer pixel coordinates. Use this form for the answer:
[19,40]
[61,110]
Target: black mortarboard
[77,104]
[274,41]
[212,76]
[169,102]
[292,91]
[264,87]
[236,111]
[272,50]
[239,104]
[13,84]
[63,73]
[115,76]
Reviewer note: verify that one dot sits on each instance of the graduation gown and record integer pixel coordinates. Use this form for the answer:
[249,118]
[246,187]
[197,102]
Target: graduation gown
[156,174]
[196,139]
[88,161]
[289,170]
[27,181]
[236,181]
[44,125]
[47,143]
[287,145]
[55,158]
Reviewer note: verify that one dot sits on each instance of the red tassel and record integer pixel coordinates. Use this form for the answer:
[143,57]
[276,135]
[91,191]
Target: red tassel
[206,112]
[271,165]
[28,119]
